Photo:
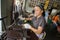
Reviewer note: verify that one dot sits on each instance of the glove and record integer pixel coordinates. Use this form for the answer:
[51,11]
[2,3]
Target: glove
[27,26]
[21,18]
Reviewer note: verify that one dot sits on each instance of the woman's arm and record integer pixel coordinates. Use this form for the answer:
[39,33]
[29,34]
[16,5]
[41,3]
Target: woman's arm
[40,27]
[37,31]
[28,18]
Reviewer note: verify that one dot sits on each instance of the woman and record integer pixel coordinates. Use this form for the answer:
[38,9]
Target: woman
[38,22]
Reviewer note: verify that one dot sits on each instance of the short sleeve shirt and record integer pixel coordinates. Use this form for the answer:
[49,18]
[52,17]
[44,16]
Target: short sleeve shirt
[38,22]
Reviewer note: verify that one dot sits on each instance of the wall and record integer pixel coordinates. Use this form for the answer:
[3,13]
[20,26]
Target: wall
[6,11]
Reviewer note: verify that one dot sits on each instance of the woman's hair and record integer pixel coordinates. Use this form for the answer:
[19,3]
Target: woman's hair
[42,8]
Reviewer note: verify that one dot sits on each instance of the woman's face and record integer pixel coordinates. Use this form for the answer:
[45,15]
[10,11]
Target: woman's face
[38,11]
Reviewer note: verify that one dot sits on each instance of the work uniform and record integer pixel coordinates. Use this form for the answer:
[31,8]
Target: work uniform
[40,22]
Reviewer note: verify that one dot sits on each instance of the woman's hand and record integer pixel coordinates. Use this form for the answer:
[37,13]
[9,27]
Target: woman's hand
[27,26]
